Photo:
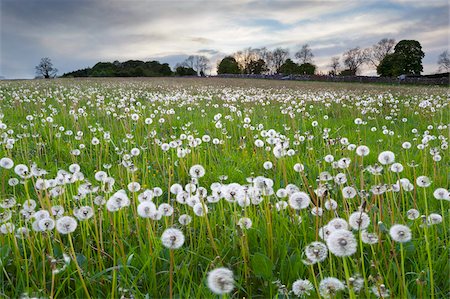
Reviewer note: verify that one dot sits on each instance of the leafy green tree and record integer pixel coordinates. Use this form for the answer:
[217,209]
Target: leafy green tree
[256,67]
[185,71]
[406,59]
[409,56]
[289,68]
[307,69]
[228,65]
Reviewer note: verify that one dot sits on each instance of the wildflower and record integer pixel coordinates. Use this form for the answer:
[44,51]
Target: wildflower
[359,220]
[386,157]
[412,214]
[200,209]
[423,181]
[337,223]
[400,233]
[134,187]
[46,224]
[316,252]
[165,209]
[362,150]
[348,192]
[268,165]
[380,291]
[302,287]
[434,218]
[172,238]
[299,200]
[245,223]
[66,225]
[197,171]
[84,213]
[184,219]
[341,243]
[331,204]
[329,286]
[6,163]
[299,167]
[146,208]
[369,238]
[220,281]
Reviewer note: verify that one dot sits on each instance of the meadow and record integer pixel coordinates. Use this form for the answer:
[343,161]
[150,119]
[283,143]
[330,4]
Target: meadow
[208,188]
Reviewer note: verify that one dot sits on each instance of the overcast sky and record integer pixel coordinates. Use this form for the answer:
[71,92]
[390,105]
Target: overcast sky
[78,33]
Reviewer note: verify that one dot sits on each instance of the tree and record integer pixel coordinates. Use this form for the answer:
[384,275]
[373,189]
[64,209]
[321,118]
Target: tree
[406,60]
[378,51]
[389,66]
[279,56]
[444,62]
[335,65]
[353,59]
[256,67]
[245,57]
[307,69]
[185,71]
[228,65]
[305,54]
[409,56]
[289,68]
[198,63]
[45,68]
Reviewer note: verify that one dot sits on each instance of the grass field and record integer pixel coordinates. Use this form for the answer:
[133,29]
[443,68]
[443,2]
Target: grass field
[289,189]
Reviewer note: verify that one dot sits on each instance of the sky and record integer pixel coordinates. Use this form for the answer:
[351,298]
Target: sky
[77,34]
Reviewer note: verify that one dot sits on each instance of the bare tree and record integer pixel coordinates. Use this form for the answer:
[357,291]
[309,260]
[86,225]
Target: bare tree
[245,57]
[353,59]
[444,62]
[45,68]
[305,54]
[335,65]
[198,63]
[377,52]
[279,56]
[266,55]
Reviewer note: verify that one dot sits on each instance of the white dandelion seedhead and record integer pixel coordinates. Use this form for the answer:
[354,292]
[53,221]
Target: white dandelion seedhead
[336,224]
[386,157]
[197,171]
[423,181]
[302,287]
[299,200]
[400,233]
[341,243]
[368,238]
[245,223]
[6,163]
[172,238]
[359,220]
[329,286]
[66,225]
[316,252]
[362,150]
[184,219]
[412,214]
[348,192]
[146,208]
[220,281]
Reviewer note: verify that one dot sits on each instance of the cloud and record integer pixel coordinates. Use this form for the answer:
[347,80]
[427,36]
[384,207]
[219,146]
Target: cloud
[79,33]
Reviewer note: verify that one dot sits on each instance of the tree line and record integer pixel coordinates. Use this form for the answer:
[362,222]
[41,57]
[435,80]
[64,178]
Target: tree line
[387,57]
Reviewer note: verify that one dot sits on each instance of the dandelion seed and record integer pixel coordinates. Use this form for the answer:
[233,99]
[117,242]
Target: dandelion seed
[400,233]
[434,218]
[369,238]
[412,214]
[299,200]
[172,238]
[66,225]
[245,223]
[359,220]
[330,286]
[184,219]
[197,171]
[316,252]
[423,181]
[220,281]
[302,287]
[386,157]
[341,243]
[6,163]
